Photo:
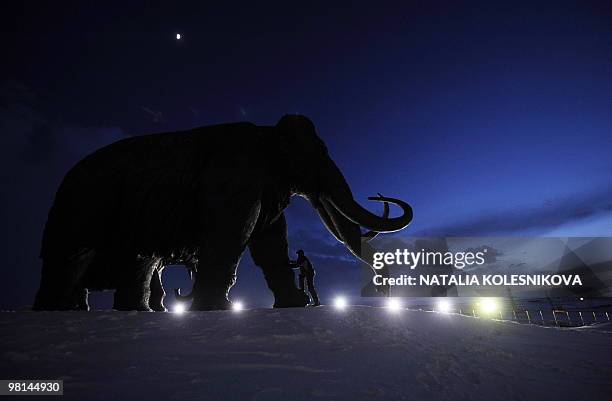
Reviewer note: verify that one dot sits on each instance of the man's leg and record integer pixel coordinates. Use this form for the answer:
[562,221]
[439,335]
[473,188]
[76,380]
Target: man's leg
[311,290]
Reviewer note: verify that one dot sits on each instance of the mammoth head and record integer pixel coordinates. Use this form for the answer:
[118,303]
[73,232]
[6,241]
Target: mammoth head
[315,176]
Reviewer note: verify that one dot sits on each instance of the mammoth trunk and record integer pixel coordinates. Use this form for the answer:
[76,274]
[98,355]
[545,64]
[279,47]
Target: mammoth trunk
[344,217]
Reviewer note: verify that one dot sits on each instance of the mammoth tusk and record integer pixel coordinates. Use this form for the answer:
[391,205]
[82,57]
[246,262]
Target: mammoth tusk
[370,235]
[327,221]
[359,215]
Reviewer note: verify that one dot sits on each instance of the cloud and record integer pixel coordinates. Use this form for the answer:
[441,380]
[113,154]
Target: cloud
[531,219]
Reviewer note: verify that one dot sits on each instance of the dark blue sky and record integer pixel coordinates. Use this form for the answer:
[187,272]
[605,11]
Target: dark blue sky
[489,119]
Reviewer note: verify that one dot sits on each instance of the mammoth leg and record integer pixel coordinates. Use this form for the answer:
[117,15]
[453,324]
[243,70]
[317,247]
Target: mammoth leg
[231,195]
[269,250]
[232,212]
[60,285]
[82,299]
[133,286]
[156,300]
[216,276]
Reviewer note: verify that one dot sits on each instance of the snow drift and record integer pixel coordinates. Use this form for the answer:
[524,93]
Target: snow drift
[362,353]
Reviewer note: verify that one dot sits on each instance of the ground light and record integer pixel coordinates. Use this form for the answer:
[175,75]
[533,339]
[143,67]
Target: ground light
[393,305]
[340,302]
[237,306]
[488,306]
[179,308]
[443,306]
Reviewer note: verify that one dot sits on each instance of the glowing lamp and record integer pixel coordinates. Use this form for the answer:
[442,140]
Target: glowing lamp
[237,306]
[488,306]
[179,308]
[340,303]
[444,306]
[393,305]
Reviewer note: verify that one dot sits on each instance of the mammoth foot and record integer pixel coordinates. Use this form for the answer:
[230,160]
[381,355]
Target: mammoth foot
[210,304]
[138,308]
[297,299]
[158,307]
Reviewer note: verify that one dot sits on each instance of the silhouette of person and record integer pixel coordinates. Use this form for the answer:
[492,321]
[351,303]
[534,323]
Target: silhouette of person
[307,273]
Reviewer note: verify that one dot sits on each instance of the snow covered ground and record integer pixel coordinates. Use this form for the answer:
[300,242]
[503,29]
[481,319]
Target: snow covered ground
[362,353]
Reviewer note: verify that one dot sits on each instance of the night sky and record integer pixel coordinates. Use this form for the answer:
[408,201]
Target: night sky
[489,119]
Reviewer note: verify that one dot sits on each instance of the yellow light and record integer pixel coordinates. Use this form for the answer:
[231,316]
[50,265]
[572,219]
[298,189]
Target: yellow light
[488,306]
[394,305]
[340,302]
[179,308]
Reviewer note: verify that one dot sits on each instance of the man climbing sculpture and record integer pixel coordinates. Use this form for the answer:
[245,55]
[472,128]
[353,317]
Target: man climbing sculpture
[307,273]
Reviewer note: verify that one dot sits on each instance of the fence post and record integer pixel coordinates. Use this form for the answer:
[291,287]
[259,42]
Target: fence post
[528,318]
[555,317]
[569,320]
[581,319]
[514,314]
[542,317]
[594,316]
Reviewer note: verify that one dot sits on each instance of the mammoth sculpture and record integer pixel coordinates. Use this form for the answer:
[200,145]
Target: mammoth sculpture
[203,196]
